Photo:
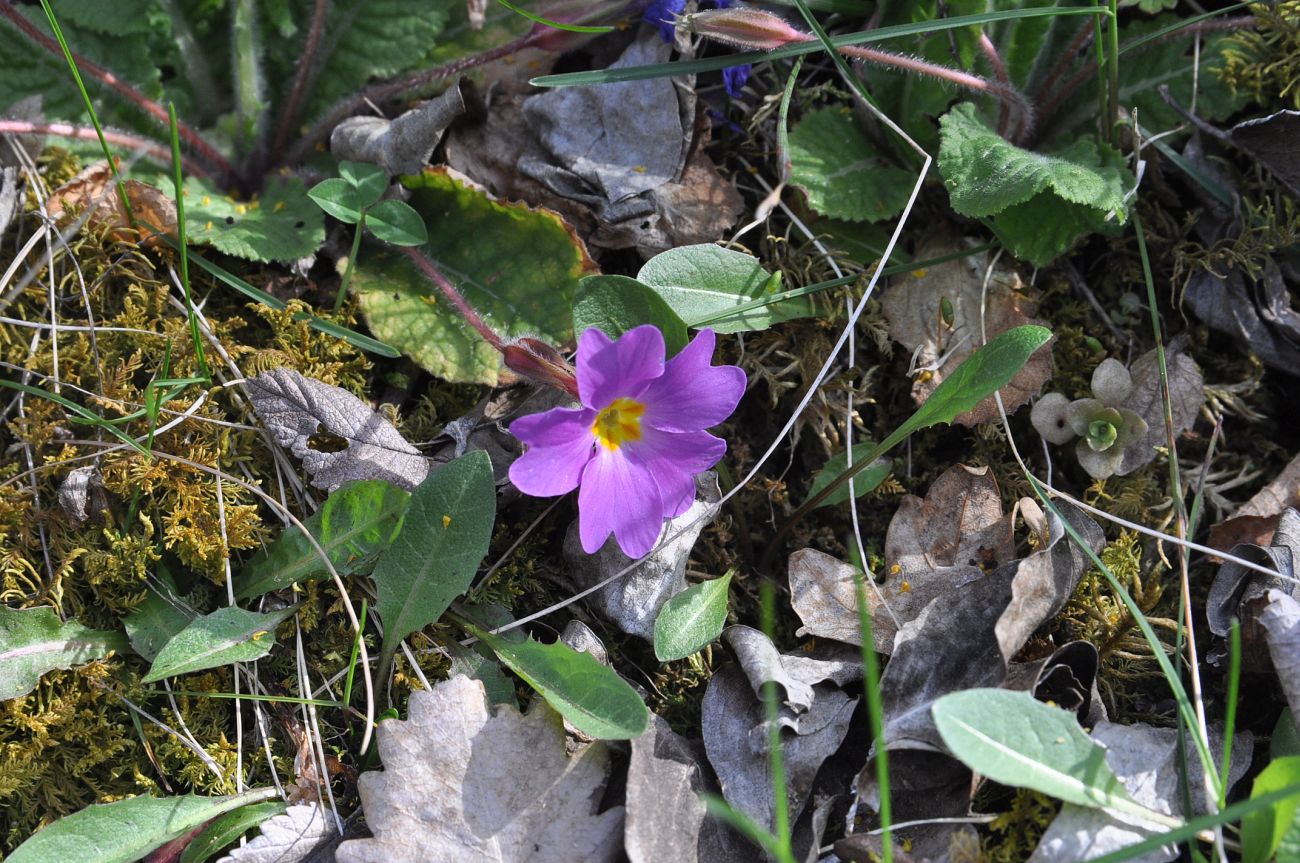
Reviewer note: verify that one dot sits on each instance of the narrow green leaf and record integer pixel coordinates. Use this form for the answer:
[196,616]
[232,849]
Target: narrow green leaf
[434,558]
[616,304]
[842,173]
[225,829]
[227,635]
[708,285]
[370,181]
[1264,830]
[354,525]
[594,699]
[339,198]
[125,831]
[397,222]
[1013,739]
[868,480]
[691,619]
[159,617]
[34,641]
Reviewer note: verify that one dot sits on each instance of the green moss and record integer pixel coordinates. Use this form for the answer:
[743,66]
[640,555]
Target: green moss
[1264,63]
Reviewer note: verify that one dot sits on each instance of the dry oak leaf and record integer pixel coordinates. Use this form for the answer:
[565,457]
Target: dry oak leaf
[936,314]
[465,782]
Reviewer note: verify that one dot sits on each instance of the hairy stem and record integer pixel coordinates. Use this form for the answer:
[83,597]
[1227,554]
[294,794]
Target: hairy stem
[201,147]
[454,296]
[1000,73]
[1071,53]
[85,133]
[385,90]
[302,75]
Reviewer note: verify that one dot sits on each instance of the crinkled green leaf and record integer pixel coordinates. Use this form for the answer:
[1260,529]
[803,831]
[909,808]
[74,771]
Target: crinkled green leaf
[691,619]
[591,696]
[1082,187]
[434,558]
[282,224]
[227,635]
[703,283]
[518,266]
[616,304]
[127,830]
[842,173]
[34,641]
[354,525]
[864,482]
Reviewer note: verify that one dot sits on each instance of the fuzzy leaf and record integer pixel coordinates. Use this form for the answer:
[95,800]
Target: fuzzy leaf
[356,523]
[616,304]
[282,225]
[841,171]
[864,482]
[591,696]
[705,283]
[125,831]
[691,619]
[34,641]
[227,635]
[433,560]
[516,265]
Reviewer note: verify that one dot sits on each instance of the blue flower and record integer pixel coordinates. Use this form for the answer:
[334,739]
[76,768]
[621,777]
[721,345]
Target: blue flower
[663,14]
[734,78]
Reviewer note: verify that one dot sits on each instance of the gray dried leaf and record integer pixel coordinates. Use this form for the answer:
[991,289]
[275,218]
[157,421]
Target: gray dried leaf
[666,817]
[1255,312]
[337,436]
[1281,622]
[11,165]
[1235,585]
[734,727]
[762,663]
[400,146]
[1067,678]
[823,594]
[1271,141]
[1256,520]
[515,794]
[290,837]
[1146,761]
[81,494]
[579,636]
[914,305]
[486,428]
[924,786]
[633,601]
[1186,395]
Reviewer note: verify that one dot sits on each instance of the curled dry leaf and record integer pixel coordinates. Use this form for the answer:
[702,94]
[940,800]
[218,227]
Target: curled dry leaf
[633,601]
[1255,521]
[1281,622]
[290,837]
[942,314]
[517,796]
[402,145]
[1146,399]
[337,436]
[82,495]
[1067,678]
[1235,586]
[94,190]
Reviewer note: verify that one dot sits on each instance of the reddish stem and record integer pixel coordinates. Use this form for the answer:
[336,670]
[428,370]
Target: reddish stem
[455,297]
[104,76]
[301,76]
[1000,72]
[1077,44]
[386,90]
[85,133]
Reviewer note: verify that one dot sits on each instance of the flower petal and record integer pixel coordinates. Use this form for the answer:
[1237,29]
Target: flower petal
[610,369]
[666,453]
[560,443]
[1049,417]
[1099,465]
[620,496]
[692,394]
[1111,382]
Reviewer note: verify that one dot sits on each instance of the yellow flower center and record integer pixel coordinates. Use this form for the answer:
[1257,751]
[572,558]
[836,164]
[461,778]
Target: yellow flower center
[619,423]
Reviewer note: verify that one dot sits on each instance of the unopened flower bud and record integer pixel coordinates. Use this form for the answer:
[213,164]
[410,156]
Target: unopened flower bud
[536,360]
[751,29]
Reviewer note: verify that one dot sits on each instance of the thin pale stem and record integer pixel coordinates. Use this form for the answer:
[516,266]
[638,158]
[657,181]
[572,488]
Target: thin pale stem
[201,147]
[454,296]
[85,133]
[342,295]
[385,90]
[301,76]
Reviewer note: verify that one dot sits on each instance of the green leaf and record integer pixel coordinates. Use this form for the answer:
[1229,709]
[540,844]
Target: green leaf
[1285,739]
[370,181]
[354,525]
[282,225]
[517,266]
[704,283]
[433,560]
[160,616]
[1264,830]
[125,831]
[227,635]
[34,641]
[339,198]
[1013,739]
[1024,41]
[594,699]
[691,619]
[988,176]
[616,304]
[864,482]
[397,222]
[225,829]
[479,663]
[842,173]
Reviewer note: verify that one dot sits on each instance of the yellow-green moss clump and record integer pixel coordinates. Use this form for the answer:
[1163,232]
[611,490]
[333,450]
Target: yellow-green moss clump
[1264,63]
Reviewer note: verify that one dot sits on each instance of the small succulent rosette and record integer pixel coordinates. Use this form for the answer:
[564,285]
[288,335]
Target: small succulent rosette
[1105,429]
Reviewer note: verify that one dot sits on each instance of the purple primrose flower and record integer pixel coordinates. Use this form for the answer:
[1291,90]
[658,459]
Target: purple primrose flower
[634,446]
